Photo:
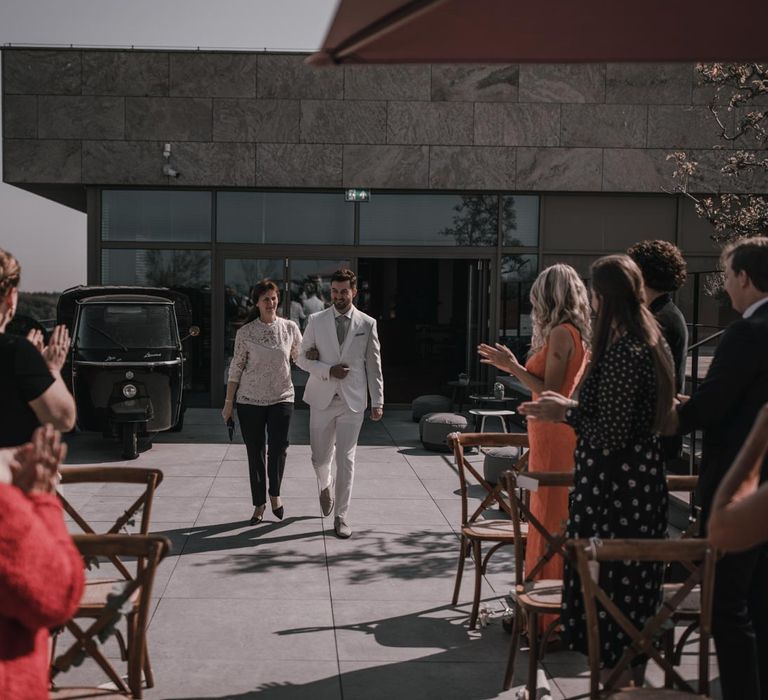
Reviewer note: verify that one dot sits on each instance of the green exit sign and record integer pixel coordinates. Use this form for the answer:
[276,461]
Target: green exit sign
[357,195]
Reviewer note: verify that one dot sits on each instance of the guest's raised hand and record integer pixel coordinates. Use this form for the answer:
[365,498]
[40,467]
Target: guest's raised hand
[36,464]
[499,356]
[35,336]
[55,353]
[550,407]
[339,371]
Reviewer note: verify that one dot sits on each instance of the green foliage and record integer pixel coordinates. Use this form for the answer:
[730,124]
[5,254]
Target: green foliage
[39,305]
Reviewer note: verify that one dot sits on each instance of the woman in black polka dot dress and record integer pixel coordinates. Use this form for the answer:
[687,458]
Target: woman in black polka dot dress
[619,482]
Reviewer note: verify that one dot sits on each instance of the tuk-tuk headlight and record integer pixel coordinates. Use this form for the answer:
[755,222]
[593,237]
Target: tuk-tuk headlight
[130,391]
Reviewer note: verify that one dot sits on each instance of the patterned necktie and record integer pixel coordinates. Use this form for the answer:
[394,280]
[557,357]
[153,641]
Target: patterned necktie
[341,328]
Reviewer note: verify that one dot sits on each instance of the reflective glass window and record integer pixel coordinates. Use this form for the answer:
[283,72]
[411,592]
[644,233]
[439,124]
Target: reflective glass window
[516,276]
[520,220]
[284,217]
[147,215]
[429,219]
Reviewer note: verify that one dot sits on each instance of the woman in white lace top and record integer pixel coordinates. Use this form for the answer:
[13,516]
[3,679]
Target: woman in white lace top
[260,382]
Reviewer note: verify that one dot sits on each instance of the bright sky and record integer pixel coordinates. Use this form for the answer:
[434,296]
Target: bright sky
[49,239]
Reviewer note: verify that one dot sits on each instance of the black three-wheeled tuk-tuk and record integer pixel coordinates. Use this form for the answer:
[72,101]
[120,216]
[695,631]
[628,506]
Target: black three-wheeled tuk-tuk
[126,365]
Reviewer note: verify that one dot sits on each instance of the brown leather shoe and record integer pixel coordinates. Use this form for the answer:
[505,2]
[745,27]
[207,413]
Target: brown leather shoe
[326,501]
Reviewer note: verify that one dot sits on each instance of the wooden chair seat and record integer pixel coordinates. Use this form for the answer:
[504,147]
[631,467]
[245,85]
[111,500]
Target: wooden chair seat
[491,530]
[95,596]
[85,694]
[475,529]
[545,595]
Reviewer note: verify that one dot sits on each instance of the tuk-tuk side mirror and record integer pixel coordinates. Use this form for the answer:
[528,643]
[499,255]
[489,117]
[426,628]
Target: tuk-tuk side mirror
[193,332]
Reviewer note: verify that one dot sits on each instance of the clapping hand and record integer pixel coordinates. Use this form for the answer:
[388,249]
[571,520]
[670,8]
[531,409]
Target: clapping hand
[550,407]
[35,465]
[55,353]
[339,371]
[499,356]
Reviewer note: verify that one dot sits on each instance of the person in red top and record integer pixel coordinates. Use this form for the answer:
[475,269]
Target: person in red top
[41,571]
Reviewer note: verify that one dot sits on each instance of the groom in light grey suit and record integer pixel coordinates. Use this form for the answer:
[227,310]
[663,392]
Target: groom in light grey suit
[341,352]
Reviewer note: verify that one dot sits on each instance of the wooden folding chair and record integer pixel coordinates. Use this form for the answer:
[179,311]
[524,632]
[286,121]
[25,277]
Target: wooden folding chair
[533,598]
[699,558]
[96,589]
[130,599]
[474,528]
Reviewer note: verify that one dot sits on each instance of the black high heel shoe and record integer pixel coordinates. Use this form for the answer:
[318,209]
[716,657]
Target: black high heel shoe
[278,512]
[258,515]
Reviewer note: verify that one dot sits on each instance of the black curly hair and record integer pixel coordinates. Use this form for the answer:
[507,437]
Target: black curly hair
[662,264]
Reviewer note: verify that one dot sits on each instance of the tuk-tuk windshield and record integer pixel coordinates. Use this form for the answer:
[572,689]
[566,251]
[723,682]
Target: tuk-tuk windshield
[126,326]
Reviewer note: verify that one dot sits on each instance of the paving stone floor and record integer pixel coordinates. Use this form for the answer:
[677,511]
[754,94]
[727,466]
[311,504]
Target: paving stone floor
[286,611]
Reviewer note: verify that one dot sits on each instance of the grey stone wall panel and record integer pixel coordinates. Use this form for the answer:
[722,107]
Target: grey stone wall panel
[256,120]
[32,160]
[124,163]
[386,166]
[517,124]
[73,117]
[335,121]
[125,73]
[472,168]
[475,83]
[20,117]
[41,72]
[574,169]
[168,118]
[636,170]
[604,125]
[284,76]
[298,165]
[562,82]
[648,83]
[407,82]
[434,123]
[682,127]
[215,164]
[213,75]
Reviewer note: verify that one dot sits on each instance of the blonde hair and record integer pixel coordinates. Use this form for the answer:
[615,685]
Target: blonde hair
[10,272]
[558,296]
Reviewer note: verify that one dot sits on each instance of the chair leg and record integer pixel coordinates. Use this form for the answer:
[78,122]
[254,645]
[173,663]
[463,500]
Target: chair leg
[533,653]
[149,677]
[460,570]
[134,664]
[669,655]
[514,643]
[478,583]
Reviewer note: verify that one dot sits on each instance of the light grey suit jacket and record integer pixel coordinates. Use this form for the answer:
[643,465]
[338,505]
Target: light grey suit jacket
[361,352]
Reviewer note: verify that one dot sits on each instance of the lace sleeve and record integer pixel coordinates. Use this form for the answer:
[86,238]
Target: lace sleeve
[296,342]
[239,359]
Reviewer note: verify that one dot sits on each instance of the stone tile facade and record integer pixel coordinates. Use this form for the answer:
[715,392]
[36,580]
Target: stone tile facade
[268,120]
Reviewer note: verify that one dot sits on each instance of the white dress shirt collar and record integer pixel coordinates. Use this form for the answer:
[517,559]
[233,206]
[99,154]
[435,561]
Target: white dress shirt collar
[754,307]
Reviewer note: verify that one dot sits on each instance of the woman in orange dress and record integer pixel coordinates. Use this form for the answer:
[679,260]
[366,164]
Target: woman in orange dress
[559,354]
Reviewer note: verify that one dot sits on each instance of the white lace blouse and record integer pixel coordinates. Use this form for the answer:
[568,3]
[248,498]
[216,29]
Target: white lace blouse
[261,365]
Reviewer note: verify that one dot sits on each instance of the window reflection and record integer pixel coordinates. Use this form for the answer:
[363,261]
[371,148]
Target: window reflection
[149,215]
[516,276]
[520,220]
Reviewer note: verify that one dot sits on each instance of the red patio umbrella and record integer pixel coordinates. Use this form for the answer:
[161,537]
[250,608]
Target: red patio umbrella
[544,31]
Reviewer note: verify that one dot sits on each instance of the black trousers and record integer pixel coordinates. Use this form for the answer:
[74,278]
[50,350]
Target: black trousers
[740,624]
[265,432]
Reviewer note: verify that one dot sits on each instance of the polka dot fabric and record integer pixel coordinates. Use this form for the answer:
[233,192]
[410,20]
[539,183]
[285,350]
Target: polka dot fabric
[619,490]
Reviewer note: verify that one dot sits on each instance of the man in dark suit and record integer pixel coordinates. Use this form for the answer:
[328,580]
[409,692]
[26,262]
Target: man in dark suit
[725,406]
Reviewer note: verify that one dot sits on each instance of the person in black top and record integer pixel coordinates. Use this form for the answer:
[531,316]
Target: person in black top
[32,391]
[664,272]
[726,405]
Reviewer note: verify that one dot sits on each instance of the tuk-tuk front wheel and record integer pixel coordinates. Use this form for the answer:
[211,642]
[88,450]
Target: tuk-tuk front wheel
[130,438]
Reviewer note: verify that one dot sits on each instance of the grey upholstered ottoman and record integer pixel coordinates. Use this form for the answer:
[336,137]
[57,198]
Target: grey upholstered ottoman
[434,428]
[430,403]
[498,460]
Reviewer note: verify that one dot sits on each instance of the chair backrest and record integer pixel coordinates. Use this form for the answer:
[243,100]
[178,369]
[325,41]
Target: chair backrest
[696,553]
[517,485]
[150,479]
[468,474]
[134,596]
